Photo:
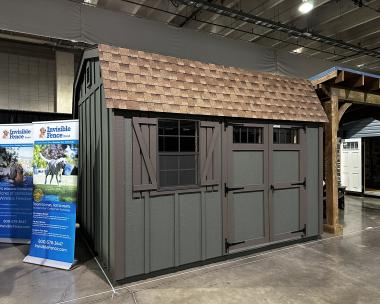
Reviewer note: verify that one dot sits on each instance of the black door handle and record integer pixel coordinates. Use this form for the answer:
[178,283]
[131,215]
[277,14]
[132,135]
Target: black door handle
[300,183]
[228,189]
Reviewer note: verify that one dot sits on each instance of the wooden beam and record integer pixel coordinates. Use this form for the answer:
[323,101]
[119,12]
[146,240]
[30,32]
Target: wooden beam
[340,77]
[343,109]
[330,157]
[325,78]
[372,84]
[353,96]
[359,82]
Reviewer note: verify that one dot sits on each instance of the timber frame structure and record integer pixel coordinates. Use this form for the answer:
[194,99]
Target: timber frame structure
[338,88]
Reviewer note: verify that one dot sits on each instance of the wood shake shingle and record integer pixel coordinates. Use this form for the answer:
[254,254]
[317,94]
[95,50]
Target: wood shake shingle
[142,81]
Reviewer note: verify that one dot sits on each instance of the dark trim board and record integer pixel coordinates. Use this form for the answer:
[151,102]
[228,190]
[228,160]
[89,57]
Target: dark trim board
[218,259]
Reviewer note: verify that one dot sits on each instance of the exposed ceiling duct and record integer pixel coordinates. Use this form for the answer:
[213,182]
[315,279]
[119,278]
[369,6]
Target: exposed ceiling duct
[277,26]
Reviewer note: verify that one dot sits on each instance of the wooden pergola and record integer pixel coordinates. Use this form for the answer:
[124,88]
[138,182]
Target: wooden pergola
[338,88]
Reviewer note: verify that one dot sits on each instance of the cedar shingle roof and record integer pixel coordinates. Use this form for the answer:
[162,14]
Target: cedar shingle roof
[142,81]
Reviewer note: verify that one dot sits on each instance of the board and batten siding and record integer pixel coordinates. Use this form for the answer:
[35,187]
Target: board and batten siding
[172,228]
[168,229]
[95,126]
[314,159]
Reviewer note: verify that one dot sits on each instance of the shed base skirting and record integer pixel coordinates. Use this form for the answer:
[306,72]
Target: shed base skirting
[261,249]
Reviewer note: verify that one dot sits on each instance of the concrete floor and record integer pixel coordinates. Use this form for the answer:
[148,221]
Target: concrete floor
[344,269]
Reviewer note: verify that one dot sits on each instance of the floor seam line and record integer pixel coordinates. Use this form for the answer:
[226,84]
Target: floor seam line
[85,297]
[97,262]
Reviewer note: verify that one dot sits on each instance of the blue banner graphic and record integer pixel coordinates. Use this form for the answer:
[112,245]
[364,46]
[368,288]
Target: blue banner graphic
[55,174]
[16,182]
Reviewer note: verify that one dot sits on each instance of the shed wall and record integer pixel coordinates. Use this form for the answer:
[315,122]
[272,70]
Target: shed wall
[164,231]
[95,125]
[168,230]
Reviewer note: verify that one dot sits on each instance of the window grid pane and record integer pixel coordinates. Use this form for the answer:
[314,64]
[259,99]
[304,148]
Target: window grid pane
[247,135]
[285,136]
[178,152]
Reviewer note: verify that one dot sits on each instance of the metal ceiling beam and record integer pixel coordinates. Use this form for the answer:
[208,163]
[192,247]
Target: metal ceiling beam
[191,16]
[276,26]
[321,17]
[339,25]
[254,10]
[215,16]
[364,36]
[289,14]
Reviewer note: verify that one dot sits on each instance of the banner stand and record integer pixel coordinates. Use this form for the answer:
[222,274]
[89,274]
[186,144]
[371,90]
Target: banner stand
[55,179]
[47,262]
[16,182]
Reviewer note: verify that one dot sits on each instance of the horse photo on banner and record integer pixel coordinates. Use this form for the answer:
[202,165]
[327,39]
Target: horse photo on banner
[16,152]
[55,176]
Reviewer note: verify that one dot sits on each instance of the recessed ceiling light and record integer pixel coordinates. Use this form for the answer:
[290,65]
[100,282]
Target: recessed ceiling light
[93,2]
[360,65]
[298,50]
[306,6]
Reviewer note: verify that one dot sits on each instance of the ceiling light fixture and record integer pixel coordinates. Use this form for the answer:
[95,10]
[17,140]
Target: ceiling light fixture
[306,6]
[298,50]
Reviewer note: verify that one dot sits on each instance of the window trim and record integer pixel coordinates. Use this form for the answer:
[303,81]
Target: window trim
[256,127]
[289,128]
[197,185]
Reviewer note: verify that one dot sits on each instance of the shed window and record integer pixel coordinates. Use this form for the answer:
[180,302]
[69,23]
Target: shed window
[88,76]
[350,145]
[247,135]
[177,152]
[285,136]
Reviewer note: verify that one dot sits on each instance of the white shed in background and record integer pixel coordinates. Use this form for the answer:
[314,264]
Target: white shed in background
[360,156]
[351,164]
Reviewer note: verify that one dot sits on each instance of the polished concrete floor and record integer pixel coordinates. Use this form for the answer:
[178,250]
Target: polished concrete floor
[336,269]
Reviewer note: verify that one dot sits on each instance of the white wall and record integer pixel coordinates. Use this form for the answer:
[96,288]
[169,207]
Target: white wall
[65,81]
[27,82]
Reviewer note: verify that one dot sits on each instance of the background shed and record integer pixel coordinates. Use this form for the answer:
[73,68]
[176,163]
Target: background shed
[360,156]
[184,161]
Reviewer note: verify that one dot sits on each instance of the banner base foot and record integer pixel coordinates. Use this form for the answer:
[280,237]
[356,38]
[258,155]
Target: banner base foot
[47,262]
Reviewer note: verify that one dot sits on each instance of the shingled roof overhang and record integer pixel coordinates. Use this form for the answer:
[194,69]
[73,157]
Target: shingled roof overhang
[142,81]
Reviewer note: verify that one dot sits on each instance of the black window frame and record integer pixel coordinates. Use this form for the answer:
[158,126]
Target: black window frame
[88,75]
[293,131]
[179,153]
[257,134]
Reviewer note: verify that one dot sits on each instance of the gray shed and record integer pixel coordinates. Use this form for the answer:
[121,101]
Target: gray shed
[184,161]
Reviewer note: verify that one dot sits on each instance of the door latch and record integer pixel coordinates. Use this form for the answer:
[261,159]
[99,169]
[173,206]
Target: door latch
[300,183]
[303,230]
[228,189]
[227,244]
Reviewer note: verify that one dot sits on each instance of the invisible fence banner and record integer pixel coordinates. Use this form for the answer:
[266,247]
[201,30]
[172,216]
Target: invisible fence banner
[16,150]
[55,174]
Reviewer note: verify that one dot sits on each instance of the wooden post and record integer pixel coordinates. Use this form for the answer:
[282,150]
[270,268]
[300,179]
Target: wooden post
[330,156]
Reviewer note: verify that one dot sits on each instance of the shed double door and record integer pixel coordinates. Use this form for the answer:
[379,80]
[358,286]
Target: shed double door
[265,184]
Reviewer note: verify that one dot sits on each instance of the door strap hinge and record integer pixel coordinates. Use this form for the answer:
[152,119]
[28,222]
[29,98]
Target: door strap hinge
[300,183]
[227,244]
[303,230]
[228,189]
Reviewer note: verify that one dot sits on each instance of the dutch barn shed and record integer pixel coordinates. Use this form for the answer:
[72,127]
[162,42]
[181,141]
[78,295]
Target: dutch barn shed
[184,161]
